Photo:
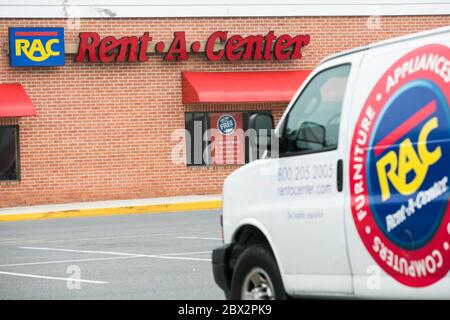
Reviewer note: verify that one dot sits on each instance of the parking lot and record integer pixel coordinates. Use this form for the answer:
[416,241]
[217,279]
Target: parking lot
[146,256]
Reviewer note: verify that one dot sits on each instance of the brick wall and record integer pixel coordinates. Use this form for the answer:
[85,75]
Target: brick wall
[103,131]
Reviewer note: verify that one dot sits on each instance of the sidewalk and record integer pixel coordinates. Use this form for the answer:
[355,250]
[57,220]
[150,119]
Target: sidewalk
[105,208]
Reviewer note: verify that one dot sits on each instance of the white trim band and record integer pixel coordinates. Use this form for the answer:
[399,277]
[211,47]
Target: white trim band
[224,8]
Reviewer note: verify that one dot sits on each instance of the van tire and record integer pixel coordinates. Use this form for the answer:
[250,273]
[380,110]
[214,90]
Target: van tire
[257,262]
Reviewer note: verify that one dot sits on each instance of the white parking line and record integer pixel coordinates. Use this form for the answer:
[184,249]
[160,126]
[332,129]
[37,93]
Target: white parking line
[158,256]
[12,242]
[50,278]
[199,238]
[184,253]
[7,239]
[63,261]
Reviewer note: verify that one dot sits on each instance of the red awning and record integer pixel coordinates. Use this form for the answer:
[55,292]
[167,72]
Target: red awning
[14,101]
[260,86]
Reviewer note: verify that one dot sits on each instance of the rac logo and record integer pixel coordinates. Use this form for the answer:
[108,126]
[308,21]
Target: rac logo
[399,169]
[36,46]
[35,50]
[396,168]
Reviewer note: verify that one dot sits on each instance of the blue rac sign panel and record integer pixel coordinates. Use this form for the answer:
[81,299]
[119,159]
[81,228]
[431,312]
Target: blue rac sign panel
[36,47]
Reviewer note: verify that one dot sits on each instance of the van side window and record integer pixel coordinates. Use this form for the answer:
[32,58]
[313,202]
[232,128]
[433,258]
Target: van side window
[312,124]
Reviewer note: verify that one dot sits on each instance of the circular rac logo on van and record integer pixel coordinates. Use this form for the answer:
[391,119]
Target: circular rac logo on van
[399,168]
[226,124]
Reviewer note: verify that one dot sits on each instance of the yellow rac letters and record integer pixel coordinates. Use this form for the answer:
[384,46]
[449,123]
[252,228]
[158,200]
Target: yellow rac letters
[408,160]
[23,45]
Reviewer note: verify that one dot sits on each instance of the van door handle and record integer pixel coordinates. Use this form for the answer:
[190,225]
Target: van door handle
[340,175]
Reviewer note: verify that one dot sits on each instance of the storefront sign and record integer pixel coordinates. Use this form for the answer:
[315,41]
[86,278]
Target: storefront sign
[220,45]
[227,138]
[36,47]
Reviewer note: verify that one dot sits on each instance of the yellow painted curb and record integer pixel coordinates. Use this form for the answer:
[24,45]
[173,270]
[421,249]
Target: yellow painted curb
[151,208]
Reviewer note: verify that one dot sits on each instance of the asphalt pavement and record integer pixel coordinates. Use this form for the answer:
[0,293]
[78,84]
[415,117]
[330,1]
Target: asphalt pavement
[143,256]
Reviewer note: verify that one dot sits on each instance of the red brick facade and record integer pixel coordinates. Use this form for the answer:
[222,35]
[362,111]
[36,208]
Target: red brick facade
[103,131]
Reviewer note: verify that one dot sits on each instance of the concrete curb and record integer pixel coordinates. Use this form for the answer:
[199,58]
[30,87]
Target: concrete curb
[120,210]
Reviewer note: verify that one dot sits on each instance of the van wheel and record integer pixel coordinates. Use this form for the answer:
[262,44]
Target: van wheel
[256,276]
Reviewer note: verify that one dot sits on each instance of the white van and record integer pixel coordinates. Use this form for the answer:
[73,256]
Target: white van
[357,203]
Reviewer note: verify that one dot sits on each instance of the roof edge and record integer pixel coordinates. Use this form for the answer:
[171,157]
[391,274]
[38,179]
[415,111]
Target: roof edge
[248,9]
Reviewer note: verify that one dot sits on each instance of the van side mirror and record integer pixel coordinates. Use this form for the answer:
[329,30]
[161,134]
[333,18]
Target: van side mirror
[310,132]
[261,125]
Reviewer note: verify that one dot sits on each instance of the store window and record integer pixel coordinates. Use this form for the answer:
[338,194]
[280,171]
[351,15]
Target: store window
[218,138]
[9,162]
